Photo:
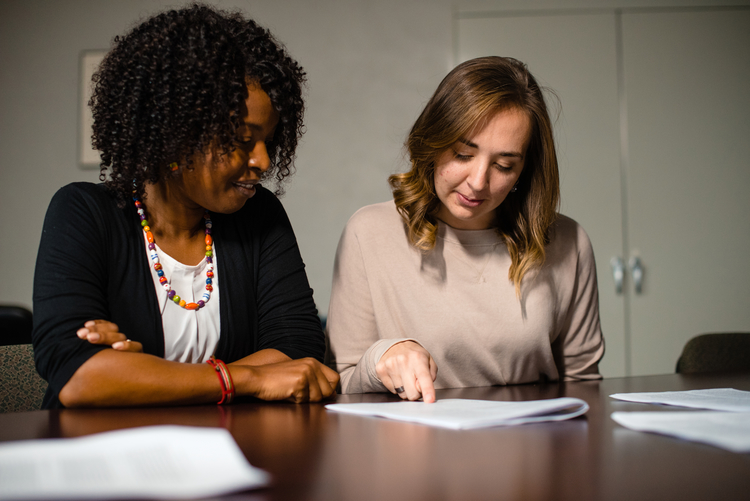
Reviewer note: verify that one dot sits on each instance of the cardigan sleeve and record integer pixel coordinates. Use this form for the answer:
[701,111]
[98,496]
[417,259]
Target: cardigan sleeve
[287,317]
[69,286]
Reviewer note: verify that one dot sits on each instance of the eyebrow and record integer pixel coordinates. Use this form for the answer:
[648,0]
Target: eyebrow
[254,126]
[250,125]
[513,154]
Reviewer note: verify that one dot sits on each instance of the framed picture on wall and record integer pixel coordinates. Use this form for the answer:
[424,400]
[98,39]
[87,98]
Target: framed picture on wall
[88,157]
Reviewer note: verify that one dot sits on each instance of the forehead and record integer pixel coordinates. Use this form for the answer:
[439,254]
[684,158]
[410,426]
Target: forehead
[257,109]
[506,128]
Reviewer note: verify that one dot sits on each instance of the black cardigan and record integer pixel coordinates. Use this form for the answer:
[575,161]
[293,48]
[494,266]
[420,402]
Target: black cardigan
[92,264]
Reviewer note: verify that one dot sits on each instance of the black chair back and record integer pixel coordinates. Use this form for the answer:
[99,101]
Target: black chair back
[719,352]
[15,325]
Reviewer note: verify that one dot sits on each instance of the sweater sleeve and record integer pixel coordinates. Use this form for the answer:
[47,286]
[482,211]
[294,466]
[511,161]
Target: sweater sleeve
[355,344]
[580,344]
[69,286]
[287,317]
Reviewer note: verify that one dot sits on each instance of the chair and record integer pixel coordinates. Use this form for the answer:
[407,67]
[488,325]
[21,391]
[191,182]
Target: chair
[721,352]
[15,325]
[21,387]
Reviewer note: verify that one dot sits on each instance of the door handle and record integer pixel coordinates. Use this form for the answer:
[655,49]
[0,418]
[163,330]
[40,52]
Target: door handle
[618,272]
[636,270]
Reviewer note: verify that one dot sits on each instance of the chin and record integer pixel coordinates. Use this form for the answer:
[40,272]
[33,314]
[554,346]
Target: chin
[227,208]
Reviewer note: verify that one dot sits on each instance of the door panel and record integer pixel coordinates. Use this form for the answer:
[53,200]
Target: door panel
[576,56]
[688,108]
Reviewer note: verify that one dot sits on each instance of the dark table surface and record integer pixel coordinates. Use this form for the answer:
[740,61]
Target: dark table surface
[315,454]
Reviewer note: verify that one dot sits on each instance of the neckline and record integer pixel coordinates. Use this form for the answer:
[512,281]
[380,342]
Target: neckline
[452,235]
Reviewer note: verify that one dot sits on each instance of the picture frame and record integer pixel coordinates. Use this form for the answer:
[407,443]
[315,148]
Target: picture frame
[88,157]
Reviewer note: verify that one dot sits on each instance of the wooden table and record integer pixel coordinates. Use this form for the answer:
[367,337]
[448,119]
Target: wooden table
[314,454]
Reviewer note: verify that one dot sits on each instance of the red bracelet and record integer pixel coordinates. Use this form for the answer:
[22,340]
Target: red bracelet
[225,380]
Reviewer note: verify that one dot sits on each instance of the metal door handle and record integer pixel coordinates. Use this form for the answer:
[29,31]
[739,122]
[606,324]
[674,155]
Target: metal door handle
[636,270]
[618,272]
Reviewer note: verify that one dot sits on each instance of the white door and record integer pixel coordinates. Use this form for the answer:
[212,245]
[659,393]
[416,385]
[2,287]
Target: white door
[687,82]
[681,112]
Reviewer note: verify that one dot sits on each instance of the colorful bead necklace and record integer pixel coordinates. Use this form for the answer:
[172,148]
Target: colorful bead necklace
[172,295]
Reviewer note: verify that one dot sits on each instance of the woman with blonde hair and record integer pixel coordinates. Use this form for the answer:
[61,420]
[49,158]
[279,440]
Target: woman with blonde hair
[470,269]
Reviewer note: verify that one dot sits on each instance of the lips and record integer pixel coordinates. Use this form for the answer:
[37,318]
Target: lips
[246,188]
[468,202]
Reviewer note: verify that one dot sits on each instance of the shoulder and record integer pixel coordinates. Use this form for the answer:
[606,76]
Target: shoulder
[375,218]
[567,237]
[77,192]
[376,230]
[83,199]
[566,231]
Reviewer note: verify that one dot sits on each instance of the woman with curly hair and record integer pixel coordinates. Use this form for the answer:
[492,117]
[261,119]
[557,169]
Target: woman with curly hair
[469,269]
[181,257]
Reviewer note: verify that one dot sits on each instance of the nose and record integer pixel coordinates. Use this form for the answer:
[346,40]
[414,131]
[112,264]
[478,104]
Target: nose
[258,158]
[478,176]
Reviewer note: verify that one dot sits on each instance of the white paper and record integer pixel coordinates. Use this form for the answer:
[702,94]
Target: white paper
[462,414]
[155,462]
[718,399]
[728,430]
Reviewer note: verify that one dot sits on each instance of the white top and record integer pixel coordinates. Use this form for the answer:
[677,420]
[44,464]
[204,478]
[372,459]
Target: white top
[189,335]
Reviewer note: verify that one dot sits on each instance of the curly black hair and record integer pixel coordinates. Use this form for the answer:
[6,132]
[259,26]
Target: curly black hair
[175,85]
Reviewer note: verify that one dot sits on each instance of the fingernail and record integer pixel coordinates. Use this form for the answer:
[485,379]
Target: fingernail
[118,345]
[81,333]
[90,323]
[94,336]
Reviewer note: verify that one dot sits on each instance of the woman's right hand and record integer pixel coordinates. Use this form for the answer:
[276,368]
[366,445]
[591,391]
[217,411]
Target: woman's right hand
[108,333]
[408,365]
[303,380]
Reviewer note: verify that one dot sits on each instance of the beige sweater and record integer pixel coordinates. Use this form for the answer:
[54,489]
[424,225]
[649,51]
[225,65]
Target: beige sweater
[458,303]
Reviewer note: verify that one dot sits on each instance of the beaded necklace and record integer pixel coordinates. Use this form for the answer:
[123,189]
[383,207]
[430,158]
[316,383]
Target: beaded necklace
[172,295]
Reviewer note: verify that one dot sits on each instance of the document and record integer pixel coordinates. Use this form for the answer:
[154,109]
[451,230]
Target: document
[718,399]
[728,430]
[464,414]
[160,462]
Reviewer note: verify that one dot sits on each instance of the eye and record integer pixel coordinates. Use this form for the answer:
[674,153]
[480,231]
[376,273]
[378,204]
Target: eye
[503,168]
[245,143]
[461,158]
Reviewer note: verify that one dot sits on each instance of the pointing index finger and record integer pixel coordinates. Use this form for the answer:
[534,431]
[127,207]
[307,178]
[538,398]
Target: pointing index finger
[426,386]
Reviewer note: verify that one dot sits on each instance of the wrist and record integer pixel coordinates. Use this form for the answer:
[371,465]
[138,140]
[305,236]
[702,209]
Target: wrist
[246,380]
[225,380]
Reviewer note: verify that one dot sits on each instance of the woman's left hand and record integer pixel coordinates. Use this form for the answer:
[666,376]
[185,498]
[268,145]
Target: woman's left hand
[108,333]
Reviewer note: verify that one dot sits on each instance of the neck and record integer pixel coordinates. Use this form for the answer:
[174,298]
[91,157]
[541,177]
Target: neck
[169,216]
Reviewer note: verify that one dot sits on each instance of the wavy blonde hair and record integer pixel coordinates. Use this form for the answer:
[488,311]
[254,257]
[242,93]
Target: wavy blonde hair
[468,95]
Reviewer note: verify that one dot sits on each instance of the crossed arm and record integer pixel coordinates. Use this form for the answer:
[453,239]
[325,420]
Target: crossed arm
[125,376]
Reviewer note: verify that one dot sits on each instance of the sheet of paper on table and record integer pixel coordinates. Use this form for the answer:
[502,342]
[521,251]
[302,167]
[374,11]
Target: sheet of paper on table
[728,430]
[462,414]
[718,399]
[155,462]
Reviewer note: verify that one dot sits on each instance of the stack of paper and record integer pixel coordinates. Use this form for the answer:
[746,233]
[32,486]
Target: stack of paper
[718,399]
[154,462]
[462,414]
[729,429]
